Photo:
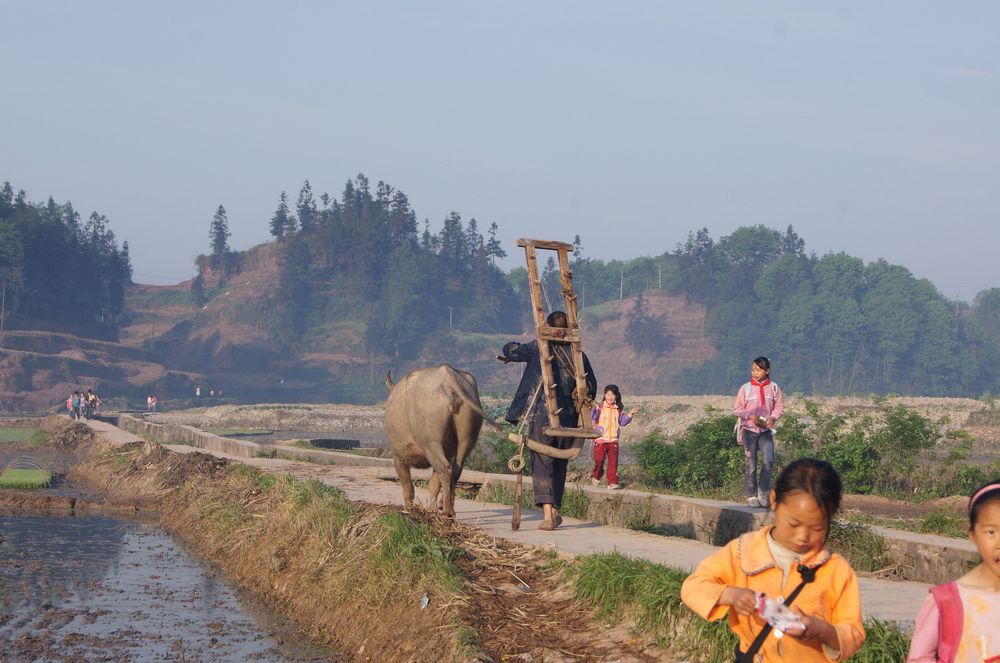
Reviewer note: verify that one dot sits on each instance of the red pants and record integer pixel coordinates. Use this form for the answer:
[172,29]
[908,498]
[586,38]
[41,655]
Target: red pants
[609,450]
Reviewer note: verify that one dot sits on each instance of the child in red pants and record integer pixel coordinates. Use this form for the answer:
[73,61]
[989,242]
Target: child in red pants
[609,417]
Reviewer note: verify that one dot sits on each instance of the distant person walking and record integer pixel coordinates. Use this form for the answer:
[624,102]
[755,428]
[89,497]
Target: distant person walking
[69,406]
[90,403]
[758,406]
[76,404]
[609,417]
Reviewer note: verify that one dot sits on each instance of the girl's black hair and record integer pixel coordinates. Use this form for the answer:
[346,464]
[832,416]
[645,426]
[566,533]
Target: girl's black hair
[763,362]
[813,477]
[980,499]
[613,388]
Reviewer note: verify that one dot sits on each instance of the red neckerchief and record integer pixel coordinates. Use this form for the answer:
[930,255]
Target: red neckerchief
[760,386]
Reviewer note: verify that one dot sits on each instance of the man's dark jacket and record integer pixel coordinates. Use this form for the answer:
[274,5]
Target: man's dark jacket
[565,382]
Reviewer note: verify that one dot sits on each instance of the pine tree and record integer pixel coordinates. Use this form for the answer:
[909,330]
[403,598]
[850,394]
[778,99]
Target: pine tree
[306,208]
[281,223]
[219,235]
[494,249]
[198,290]
[646,332]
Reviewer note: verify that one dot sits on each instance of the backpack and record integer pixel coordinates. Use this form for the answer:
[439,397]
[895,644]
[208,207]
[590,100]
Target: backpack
[949,605]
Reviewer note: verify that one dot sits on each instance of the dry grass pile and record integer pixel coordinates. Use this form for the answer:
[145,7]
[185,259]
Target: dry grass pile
[69,435]
[143,472]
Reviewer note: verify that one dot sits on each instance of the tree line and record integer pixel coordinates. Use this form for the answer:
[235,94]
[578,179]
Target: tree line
[363,257]
[57,268]
[831,324]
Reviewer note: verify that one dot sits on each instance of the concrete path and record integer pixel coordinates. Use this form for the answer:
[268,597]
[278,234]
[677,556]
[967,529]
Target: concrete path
[883,599]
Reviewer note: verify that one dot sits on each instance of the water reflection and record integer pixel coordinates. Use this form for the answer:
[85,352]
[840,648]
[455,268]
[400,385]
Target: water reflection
[99,588]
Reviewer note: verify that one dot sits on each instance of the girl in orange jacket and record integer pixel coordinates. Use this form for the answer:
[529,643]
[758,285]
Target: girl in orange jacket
[777,560]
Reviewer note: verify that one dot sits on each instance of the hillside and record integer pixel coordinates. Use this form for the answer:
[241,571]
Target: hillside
[38,370]
[229,342]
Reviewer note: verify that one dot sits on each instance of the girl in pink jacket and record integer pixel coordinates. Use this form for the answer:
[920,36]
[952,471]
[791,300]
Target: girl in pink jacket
[758,406]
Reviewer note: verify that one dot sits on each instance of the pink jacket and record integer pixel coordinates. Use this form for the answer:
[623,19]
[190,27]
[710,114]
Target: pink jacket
[748,405]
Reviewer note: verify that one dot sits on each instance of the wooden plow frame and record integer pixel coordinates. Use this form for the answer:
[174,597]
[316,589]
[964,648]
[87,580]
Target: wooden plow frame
[546,335]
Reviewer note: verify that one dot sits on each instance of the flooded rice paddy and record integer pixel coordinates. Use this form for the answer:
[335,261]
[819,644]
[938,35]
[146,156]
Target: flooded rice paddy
[102,588]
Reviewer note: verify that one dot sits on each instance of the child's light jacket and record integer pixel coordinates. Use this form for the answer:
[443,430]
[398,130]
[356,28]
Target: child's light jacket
[746,562]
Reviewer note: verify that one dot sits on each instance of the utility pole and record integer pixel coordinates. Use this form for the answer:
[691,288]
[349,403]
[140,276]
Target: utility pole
[584,304]
[659,276]
[450,309]
[621,285]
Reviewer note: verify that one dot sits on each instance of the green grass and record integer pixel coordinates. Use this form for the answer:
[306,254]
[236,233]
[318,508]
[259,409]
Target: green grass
[944,523]
[885,643]
[264,481]
[576,503]
[939,522]
[619,587]
[26,436]
[500,493]
[411,549]
[25,479]
[859,544]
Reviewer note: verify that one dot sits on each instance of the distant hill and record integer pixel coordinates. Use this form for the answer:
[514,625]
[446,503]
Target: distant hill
[351,289]
[222,341]
[38,370]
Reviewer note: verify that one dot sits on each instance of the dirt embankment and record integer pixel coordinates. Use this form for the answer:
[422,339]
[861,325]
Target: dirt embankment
[317,418]
[371,581]
[671,414]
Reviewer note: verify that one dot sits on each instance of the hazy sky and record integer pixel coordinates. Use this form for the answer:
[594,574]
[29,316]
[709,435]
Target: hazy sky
[872,127]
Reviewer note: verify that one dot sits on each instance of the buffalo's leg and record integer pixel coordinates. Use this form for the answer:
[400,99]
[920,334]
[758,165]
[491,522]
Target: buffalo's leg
[442,476]
[434,487]
[406,481]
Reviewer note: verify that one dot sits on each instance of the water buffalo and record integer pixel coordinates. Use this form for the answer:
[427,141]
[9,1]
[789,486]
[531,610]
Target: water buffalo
[432,419]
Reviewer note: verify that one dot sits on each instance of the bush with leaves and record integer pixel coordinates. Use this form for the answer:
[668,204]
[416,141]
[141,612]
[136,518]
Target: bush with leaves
[892,454]
[703,460]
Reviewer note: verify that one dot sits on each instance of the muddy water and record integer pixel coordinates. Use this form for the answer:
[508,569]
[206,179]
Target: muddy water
[96,588]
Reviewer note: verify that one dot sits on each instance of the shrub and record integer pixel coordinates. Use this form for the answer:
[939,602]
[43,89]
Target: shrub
[703,460]
[859,544]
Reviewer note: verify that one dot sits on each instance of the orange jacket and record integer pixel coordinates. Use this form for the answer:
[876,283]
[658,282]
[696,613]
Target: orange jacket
[746,562]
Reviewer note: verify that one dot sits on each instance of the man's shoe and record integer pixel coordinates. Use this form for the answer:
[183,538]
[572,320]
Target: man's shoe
[764,502]
[614,486]
[558,521]
[753,503]
[546,525]
[595,482]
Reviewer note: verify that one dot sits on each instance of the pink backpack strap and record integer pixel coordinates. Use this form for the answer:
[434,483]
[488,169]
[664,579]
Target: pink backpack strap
[949,605]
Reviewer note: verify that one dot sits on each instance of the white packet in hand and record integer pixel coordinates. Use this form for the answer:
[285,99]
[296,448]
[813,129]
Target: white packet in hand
[778,615]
